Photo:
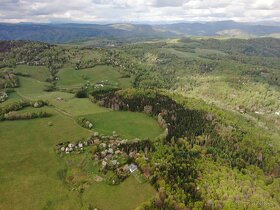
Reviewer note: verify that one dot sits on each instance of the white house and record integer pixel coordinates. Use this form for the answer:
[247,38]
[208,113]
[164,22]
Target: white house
[133,168]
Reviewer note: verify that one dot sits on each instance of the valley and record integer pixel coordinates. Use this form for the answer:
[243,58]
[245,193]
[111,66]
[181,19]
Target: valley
[196,116]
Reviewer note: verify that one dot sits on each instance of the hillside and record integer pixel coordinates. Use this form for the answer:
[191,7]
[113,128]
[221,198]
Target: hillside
[163,124]
[62,33]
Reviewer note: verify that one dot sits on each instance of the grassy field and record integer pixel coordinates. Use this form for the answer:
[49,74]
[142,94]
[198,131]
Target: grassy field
[77,106]
[127,124]
[29,167]
[72,78]
[128,195]
[31,88]
[32,176]
[40,73]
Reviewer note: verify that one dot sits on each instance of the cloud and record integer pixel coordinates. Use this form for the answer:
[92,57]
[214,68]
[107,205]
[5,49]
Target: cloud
[167,3]
[138,10]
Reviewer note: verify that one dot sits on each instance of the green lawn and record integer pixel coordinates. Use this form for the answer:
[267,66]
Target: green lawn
[29,167]
[31,174]
[77,106]
[69,103]
[31,88]
[71,78]
[40,73]
[128,195]
[127,124]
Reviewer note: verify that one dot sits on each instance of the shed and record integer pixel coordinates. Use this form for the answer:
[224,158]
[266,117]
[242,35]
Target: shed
[133,167]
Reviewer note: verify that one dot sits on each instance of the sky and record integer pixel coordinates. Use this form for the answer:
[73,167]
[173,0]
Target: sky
[95,11]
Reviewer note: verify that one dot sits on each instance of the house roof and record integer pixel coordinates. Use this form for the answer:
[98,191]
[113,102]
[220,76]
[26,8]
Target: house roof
[133,167]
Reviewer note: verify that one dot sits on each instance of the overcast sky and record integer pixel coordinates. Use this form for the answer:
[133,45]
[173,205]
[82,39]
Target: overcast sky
[138,10]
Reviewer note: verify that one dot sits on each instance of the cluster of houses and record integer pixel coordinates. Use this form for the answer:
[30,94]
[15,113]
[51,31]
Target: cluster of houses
[106,150]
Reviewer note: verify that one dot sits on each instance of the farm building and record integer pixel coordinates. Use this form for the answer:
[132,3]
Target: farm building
[133,167]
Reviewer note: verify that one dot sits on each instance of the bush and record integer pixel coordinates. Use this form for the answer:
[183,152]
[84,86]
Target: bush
[39,103]
[14,107]
[49,88]
[81,93]
[85,123]
[9,112]
[25,116]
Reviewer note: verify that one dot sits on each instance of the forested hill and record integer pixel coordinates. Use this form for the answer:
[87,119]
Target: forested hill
[61,33]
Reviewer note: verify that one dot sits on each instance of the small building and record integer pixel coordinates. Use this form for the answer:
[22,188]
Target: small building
[132,168]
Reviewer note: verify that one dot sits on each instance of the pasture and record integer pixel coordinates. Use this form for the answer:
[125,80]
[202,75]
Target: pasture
[40,73]
[32,175]
[71,78]
[128,195]
[29,166]
[127,124]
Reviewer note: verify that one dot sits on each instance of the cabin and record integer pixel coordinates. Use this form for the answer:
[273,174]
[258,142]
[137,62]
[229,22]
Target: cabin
[132,168]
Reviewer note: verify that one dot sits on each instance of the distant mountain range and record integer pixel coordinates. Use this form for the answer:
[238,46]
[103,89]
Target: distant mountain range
[69,32]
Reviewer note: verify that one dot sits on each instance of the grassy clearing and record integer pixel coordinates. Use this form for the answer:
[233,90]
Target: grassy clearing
[31,173]
[128,195]
[77,106]
[31,88]
[69,103]
[127,124]
[75,78]
[40,73]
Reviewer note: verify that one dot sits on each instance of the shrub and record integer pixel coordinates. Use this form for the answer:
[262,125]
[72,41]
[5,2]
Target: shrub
[25,116]
[81,93]
[49,88]
[85,123]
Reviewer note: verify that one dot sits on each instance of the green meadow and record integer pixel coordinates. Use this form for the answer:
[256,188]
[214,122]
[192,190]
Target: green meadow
[119,197]
[32,176]
[40,73]
[71,78]
[127,124]
[29,166]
